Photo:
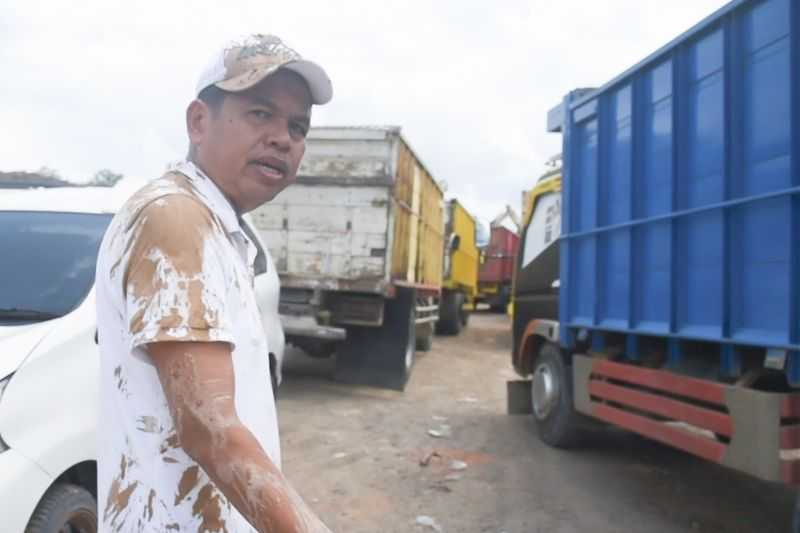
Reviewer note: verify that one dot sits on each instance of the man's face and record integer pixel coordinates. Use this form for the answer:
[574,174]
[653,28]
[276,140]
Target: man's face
[253,143]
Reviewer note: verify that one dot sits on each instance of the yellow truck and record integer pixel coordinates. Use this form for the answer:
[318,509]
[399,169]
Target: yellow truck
[461,263]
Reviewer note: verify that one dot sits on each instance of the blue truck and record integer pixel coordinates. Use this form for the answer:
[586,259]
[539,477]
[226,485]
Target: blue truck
[668,300]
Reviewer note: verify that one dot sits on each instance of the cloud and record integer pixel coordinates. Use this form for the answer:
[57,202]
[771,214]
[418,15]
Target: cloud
[104,84]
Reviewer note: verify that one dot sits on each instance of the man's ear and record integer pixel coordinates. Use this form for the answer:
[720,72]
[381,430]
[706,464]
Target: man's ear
[198,116]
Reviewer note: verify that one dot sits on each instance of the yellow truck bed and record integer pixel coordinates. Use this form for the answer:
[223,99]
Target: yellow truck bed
[464,257]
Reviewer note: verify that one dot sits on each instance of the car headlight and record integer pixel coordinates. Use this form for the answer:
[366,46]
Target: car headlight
[3,384]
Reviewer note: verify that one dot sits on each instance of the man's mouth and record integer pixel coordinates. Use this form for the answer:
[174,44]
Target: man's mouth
[271,167]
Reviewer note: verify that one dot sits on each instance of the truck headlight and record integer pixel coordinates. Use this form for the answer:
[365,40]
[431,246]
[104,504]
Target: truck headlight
[3,384]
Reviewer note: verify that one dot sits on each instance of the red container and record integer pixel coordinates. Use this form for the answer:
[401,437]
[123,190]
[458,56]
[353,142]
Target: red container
[498,264]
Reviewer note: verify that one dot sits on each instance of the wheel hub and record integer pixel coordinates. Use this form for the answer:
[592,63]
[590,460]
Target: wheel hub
[544,391]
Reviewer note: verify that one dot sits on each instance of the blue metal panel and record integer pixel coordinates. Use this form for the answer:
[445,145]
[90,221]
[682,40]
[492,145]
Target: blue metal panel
[585,111]
[585,171]
[766,102]
[652,277]
[615,206]
[582,278]
[614,253]
[682,190]
[760,272]
[702,183]
[655,186]
[699,276]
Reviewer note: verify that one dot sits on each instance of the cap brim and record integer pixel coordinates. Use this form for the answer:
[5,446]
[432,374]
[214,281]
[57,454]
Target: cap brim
[317,79]
[319,84]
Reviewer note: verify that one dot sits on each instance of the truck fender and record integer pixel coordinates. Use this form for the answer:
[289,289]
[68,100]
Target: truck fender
[536,333]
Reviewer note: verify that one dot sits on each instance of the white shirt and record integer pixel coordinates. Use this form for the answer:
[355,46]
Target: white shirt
[174,265]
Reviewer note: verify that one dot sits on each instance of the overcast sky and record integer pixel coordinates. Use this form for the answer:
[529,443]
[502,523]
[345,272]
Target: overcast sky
[104,84]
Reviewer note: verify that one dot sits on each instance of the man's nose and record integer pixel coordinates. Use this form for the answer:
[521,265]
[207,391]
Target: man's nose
[279,137]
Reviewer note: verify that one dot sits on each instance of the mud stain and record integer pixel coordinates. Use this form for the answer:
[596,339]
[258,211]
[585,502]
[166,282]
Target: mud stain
[148,510]
[117,502]
[170,443]
[208,507]
[188,481]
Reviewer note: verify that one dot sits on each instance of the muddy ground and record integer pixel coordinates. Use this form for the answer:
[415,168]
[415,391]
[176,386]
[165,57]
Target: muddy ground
[355,454]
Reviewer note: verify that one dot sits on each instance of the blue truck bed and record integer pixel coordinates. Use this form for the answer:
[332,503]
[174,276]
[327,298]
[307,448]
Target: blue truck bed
[681,216]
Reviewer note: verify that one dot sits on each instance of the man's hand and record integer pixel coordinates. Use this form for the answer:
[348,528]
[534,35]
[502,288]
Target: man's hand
[198,381]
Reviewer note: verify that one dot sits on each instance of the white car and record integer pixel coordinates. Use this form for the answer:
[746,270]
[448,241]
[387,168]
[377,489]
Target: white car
[49,358]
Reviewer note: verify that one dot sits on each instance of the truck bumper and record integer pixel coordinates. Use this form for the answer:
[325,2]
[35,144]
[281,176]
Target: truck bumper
[22,485]
[749,430]
[306,326]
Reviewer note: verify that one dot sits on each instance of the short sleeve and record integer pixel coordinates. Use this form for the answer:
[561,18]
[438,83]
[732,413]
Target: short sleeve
[175,281]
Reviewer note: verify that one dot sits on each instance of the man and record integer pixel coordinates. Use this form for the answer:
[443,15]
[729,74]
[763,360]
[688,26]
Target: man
[188,431]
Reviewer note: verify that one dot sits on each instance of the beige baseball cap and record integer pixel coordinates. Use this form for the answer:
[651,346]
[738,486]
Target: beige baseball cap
[245,62]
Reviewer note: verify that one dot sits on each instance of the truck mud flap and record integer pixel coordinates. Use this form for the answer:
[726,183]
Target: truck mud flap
[381,356]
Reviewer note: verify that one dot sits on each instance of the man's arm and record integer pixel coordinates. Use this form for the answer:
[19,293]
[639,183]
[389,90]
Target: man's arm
[198,381]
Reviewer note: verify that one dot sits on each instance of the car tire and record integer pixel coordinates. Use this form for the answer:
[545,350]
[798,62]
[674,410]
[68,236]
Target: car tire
[65,507]
[556,420]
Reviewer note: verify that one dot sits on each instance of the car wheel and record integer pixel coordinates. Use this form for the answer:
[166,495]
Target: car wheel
[65,508]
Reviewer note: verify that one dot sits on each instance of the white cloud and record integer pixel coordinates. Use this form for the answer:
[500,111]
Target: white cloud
[100,84]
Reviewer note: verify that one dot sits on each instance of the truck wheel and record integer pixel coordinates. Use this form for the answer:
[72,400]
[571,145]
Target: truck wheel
[501,300]
[464,315]
[450,309]
[65,507]
[551,398]
[500,305]
[381,356]
[425,338]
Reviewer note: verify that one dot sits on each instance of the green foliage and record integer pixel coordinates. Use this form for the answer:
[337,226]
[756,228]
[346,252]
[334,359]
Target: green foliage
[105,178]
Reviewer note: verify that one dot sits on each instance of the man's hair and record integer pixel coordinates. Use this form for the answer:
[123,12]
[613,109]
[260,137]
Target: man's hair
[213,97]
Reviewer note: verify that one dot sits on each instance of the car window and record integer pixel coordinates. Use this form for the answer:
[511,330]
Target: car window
[48,264]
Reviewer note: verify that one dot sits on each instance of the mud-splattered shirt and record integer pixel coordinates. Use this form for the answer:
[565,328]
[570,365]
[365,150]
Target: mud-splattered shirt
[174,265]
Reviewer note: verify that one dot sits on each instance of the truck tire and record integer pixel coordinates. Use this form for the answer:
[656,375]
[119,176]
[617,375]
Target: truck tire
[501,300]
[551,399]
[450,313]
[64,507]
[464,317]
[381,356]
[425,338]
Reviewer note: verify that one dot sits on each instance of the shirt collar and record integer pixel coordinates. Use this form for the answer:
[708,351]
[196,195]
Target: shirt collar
[211,195]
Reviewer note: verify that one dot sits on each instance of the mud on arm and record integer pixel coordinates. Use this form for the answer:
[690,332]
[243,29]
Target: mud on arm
[198,381]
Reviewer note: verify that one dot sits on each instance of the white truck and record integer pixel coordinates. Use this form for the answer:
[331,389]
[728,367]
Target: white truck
[358,244]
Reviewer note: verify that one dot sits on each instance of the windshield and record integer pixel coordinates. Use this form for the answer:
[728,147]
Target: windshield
[48,262]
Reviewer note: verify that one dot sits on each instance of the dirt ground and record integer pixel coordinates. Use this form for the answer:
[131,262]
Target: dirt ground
[356,454]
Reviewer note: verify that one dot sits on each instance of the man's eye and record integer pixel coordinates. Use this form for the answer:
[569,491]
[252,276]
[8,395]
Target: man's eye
[260,113]
[300,130]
